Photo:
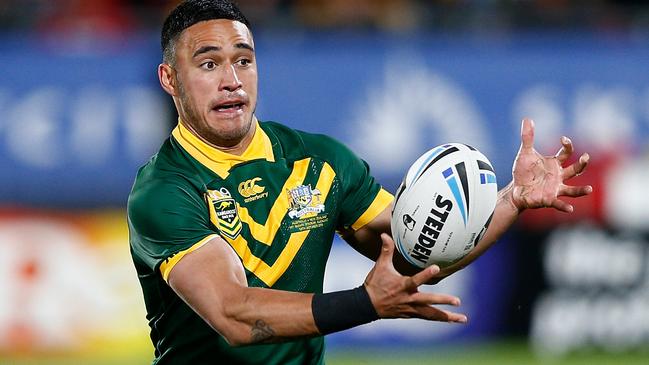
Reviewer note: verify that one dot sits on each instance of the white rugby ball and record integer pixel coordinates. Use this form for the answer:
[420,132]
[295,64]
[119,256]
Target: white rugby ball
[444,205]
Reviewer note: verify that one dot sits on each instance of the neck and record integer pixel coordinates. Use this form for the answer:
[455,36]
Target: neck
[236,148]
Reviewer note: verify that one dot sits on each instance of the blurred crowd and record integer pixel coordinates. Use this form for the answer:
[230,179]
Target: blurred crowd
[119,17]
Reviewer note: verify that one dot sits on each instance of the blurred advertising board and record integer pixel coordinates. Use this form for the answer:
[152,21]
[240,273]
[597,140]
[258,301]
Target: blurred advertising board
[596,291]
[78,124]
[68,285]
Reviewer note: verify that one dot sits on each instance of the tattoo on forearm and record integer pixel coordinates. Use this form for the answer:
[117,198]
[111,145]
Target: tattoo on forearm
[261,331]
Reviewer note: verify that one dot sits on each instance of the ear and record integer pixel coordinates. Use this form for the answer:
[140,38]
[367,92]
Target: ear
[167,77]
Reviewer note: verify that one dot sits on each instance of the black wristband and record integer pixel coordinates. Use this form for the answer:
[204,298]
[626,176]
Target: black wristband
[341,310]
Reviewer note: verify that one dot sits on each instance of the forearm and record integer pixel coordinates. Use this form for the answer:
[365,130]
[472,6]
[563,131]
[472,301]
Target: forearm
[284,315]
[268,315]
[256,315]
[244,315]
[505,215]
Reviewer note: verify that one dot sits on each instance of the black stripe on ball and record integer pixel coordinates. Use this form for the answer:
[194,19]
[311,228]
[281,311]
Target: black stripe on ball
[439,157]
[461,171]
[485,166]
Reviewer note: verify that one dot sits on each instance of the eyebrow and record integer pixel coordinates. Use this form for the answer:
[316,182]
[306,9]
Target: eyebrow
[206,49]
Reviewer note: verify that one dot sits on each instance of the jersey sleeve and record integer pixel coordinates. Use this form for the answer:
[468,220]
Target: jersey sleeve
[363,198]
[166,221]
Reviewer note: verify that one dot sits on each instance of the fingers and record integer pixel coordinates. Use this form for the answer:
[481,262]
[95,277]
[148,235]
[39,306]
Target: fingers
[565,151]
[575,191]
[562,206]
[422,304]
[423,276]
[435,298]
[397,296]
[527,134]
[441,315]
[576,168]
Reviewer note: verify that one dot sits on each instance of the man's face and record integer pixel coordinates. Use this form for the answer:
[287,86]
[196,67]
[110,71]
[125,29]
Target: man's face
[216,76]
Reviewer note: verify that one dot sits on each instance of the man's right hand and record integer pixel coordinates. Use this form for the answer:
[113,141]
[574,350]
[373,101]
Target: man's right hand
[396,296]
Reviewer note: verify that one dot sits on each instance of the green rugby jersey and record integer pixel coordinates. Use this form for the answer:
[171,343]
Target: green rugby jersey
[278,206]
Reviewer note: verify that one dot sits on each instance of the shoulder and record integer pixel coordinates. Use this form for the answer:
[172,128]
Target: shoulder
[320,146]
[168,168]
[161,185]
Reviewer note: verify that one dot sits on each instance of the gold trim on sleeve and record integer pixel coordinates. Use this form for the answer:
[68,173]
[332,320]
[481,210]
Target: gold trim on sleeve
[381,201]
[169,263]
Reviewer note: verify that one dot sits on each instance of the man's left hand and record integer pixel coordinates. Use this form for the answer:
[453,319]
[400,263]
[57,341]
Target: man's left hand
[539,181]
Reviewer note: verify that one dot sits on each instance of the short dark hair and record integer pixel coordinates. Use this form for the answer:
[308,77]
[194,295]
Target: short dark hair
[190,12]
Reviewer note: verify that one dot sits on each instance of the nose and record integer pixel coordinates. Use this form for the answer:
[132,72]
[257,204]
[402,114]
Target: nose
[230,81]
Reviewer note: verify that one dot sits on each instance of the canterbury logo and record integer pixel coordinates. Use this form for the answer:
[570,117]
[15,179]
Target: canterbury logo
[249,188]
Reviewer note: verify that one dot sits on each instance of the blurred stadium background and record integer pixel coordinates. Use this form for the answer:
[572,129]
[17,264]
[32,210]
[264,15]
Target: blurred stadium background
[82,109]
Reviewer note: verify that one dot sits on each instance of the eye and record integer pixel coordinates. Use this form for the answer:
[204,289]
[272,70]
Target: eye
[244,62]
[209,65]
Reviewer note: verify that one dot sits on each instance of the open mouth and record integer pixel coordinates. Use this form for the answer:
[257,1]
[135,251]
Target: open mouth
[234,106]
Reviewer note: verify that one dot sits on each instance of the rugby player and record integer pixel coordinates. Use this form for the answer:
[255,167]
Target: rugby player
[232,221]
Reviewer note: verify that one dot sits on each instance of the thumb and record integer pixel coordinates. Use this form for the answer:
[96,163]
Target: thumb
[387,250]
[527,134]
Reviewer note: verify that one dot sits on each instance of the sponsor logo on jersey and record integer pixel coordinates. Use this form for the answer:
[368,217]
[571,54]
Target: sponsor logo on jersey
[431,229]
[227,215]
[251,191]
[304,200]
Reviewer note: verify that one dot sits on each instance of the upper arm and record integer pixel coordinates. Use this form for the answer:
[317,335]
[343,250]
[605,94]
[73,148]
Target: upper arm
[367,239]
[211,280]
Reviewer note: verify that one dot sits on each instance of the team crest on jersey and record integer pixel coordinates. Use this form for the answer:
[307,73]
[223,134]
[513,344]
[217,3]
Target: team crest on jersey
[227,216]
[304,200]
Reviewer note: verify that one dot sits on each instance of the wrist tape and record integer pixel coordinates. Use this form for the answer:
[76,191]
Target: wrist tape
[342,310]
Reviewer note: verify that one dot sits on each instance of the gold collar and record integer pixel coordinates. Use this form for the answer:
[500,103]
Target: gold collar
[221,162]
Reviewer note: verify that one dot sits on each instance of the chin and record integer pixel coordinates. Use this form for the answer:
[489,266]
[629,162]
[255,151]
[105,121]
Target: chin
[230,130]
